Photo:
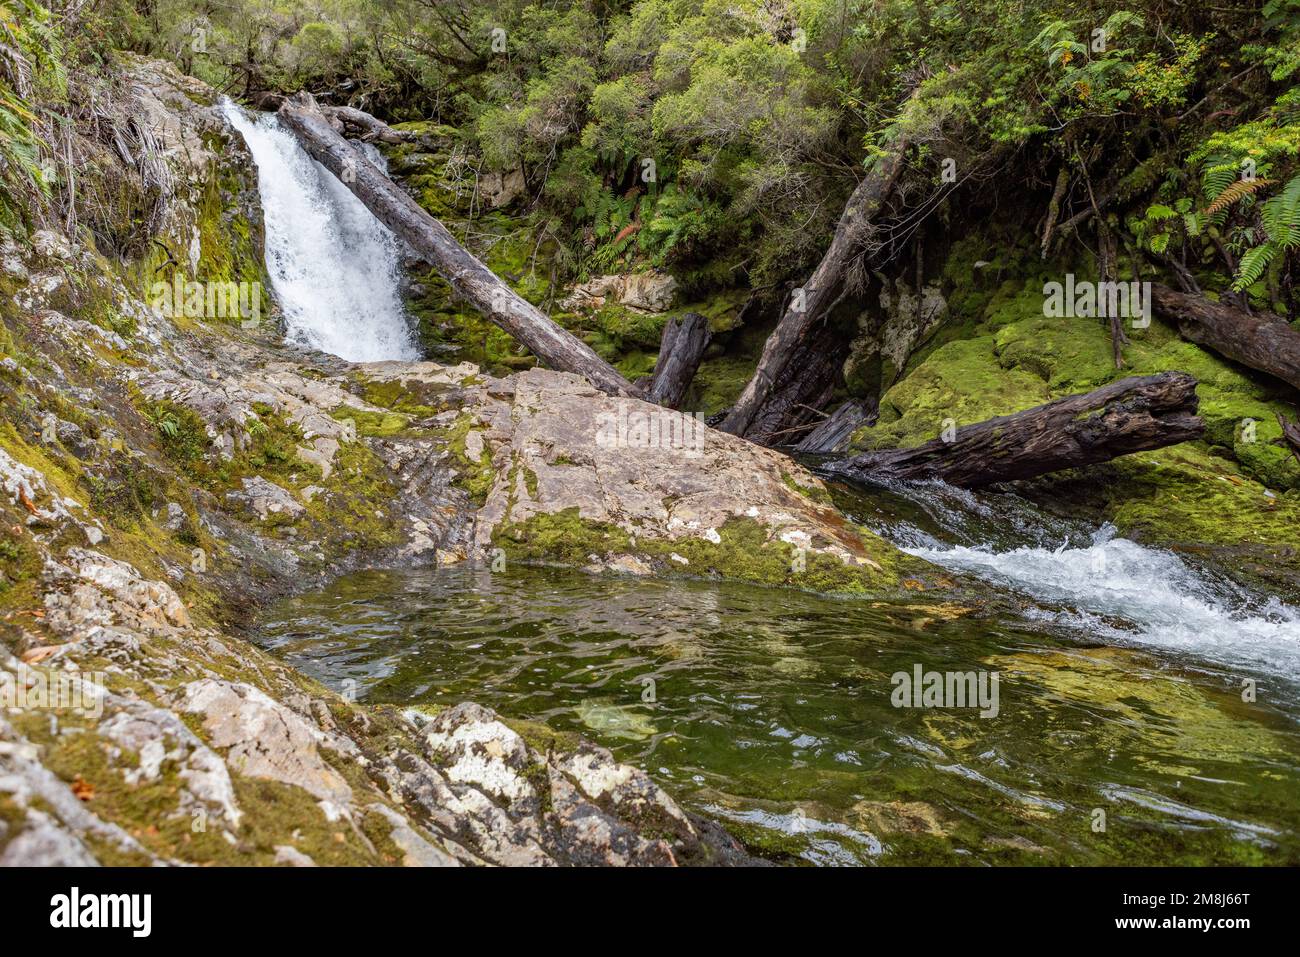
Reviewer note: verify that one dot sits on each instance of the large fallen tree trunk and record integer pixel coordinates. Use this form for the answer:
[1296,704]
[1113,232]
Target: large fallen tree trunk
[431,240]
[1131,415]
[825,289]
[1267,345]
[681,348]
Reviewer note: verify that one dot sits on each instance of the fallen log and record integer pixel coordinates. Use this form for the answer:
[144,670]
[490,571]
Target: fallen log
[1266,345]
[363,126]
[824,290]
[680,350]
[831,434]
[432,242]
[345,119]
[1130,415]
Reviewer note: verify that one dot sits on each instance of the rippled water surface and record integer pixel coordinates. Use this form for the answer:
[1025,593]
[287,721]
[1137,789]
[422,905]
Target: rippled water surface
[772,709]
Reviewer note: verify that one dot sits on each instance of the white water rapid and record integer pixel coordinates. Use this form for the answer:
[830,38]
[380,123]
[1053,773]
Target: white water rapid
[1120,591]
[334,268]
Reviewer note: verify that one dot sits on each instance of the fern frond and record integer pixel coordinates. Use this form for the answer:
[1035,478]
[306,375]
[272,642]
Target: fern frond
[1281,216]
[1217,176]
[1234,192]
[1253,265]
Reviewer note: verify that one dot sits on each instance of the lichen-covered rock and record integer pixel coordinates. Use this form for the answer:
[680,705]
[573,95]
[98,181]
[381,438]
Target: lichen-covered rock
[266,500]
[645,291]
[262,738]
[184,745]
[584,478]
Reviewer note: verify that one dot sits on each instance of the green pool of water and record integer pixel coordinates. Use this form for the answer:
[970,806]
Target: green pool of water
[772,710]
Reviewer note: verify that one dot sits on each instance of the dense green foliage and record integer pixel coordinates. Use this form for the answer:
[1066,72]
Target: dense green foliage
[719,139]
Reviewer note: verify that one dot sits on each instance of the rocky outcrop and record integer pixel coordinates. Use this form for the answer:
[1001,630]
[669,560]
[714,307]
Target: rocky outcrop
[645,292]
[647,488]
[133,735]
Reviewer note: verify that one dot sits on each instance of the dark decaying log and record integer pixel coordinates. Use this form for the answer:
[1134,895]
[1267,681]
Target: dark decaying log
[818,297]
[431,240]
[1130,415]
[833,431]
[1290,435]
[1267,345]
[802,388]
[680,350]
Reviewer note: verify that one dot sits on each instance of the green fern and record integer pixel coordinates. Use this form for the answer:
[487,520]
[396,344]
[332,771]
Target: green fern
[1280,217]
[1253,265]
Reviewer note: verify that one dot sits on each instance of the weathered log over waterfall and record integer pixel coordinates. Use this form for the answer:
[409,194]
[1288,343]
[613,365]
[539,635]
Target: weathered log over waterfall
[826,288]
[431,240]
[345,119]
[1266,345]
[1130,415]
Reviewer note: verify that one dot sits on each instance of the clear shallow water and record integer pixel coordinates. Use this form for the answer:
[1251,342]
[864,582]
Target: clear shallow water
[772,710]
[334,268]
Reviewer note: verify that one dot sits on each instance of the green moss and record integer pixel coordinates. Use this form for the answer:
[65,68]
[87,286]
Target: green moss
[182,433]
[230,247]
[541,737]
[745,551]
[718,383]
[816,493]
[475,477]
[274,814]
[352,511]
[1183,494]
[20,565]
[378,424]
[1068,354]
[962,382]
[418,400]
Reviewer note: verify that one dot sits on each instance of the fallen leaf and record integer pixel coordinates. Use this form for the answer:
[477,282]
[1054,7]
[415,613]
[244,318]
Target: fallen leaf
[82,788]
[33,655]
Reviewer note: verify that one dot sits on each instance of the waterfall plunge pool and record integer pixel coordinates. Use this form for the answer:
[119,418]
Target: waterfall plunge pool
[772,710]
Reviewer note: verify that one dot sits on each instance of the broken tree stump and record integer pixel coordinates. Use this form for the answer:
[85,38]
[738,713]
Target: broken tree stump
[681,348]
[431,241]
[833,431]
[1130,415]
[829,285]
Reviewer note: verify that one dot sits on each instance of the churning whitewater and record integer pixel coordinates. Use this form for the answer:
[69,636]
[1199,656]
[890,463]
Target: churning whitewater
[1124,592]
[335,269]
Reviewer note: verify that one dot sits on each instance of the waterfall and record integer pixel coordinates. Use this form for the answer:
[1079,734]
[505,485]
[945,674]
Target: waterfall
[335,269]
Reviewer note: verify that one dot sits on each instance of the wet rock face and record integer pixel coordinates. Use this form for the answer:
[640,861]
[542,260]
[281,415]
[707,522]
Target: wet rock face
[658,483]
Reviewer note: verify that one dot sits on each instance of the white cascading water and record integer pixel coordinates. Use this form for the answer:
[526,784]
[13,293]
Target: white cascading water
[334,268]
[1161,601]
